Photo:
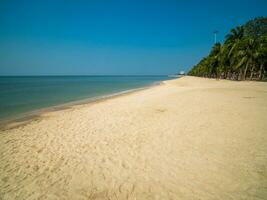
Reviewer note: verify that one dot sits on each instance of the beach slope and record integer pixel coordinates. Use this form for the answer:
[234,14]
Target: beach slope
[189,138]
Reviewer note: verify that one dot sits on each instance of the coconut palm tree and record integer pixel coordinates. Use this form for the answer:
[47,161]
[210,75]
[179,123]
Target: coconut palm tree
[228,50]
[232,39]
[235,34]
[247,53]
[213,60]
[262,55]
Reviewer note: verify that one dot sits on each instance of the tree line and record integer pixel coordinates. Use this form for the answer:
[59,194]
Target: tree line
[242,56]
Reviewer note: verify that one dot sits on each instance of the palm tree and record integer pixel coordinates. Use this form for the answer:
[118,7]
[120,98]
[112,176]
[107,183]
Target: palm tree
[262,55]
[213,60]
[224,60]
[232,39]
[247,53]
[230,47]
[235,34]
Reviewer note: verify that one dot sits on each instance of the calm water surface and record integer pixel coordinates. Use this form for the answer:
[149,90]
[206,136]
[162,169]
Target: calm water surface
[19,95]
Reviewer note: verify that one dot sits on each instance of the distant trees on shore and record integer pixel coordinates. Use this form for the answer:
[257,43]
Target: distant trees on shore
[243,55]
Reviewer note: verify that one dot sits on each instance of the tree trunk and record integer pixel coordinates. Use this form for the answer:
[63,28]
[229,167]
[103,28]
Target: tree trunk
[229,75]
[252,72]
[233,76]
[260,72]
[239,77]
[245,72]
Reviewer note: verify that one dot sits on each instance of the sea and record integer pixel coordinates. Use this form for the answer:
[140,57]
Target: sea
[20,95]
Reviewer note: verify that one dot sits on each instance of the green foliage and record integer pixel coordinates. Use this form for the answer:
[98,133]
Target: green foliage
[243,54]
[256,27]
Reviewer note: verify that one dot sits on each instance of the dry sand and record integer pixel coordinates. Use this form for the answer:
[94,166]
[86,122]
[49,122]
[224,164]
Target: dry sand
[190,138]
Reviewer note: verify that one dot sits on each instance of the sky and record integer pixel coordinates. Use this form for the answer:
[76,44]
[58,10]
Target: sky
[114,37]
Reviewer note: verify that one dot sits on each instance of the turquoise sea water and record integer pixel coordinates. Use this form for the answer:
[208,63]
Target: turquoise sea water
[19,95]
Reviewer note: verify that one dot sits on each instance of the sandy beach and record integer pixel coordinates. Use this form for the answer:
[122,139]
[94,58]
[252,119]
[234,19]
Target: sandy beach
[189,138]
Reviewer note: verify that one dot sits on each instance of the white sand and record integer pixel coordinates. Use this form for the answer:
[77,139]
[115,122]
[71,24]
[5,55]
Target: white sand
[190,138]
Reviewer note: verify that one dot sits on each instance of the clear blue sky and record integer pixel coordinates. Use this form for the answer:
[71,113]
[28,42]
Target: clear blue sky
[97,37]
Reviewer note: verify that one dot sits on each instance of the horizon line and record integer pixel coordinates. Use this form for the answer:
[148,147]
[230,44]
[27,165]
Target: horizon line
[87,75]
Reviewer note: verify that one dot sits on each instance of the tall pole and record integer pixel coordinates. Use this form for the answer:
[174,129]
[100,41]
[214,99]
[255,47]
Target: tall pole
[215,36]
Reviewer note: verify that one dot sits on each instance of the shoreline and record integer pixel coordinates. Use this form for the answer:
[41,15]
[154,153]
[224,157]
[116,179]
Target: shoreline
[25,118]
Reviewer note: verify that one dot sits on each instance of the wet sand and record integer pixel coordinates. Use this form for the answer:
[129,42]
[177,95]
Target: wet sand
[190,138]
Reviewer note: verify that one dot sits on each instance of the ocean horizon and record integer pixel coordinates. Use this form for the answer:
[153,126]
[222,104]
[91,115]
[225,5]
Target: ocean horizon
[25,94]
